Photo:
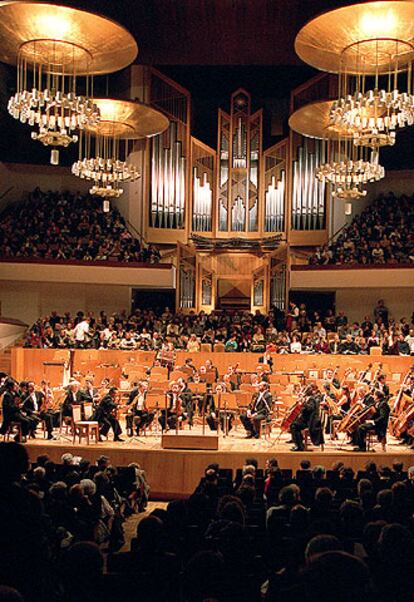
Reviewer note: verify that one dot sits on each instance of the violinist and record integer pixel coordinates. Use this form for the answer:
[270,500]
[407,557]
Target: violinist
[173,413]
[138,415]
[331,378]
[12,411]
[309,417]
[90,393]
[258,410]
[378,423]
[36,408]
[104,414]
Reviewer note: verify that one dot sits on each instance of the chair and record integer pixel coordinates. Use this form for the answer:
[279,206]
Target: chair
[206,347]
[248,388]
[375,351]
[219,348]
[84,428]
[372,438]
[160,371]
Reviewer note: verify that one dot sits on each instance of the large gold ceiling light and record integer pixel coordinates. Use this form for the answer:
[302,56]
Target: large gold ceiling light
[104,148]
[371,47]
[57,50]
[349,168]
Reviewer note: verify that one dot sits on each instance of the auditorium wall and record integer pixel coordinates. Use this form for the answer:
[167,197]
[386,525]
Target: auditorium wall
[27,301]
[358,303]
[399,182]
[18,180]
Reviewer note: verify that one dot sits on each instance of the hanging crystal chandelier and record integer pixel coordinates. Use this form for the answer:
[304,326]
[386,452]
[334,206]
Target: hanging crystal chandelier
[57,50]
[349,176]
[104,149]
[371,47]
[349,168]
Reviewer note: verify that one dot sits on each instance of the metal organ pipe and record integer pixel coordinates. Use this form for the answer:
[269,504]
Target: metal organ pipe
[167,182]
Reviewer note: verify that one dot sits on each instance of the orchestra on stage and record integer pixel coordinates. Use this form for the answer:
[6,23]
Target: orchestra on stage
[343,407]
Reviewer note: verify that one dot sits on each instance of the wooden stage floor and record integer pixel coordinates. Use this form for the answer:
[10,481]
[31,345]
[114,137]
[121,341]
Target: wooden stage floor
[175,473]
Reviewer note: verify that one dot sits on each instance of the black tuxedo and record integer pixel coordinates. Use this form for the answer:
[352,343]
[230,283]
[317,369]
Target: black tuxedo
[12,413]
[260,407]
[37,412]
[72,399]
[104,414]
[379,425]
[309,418]
[140,417]
[174,411]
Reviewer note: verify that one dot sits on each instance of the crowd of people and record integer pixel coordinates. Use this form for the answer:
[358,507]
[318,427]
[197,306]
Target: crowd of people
[66,226]
[297,331]
[256,534]
[381,234]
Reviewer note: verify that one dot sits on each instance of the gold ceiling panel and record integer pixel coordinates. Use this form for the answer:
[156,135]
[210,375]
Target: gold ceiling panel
[127,119]
[110,46]
[352,32]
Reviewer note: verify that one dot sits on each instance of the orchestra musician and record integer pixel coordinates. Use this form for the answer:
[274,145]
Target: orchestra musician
[12,411]
[382,386]
[90,393]
[138,415]
[378,423]
[37,408]
[309,418]
[74,396]
[186,396]
[211,368]
[331,378]
[258,410]
[104,415]
[174,412]
[212,412]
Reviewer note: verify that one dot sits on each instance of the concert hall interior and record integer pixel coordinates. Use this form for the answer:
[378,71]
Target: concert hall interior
[206,300]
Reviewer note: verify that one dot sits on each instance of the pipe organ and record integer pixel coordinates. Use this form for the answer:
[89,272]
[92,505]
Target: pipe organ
[239,156]
[308,194]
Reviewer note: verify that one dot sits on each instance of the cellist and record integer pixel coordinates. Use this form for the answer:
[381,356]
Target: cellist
[378,423]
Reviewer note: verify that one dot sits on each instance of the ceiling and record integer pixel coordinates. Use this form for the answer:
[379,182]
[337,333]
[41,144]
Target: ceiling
[212,32]
[211,47]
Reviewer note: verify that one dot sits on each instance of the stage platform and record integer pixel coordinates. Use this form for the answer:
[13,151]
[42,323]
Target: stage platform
[174,473]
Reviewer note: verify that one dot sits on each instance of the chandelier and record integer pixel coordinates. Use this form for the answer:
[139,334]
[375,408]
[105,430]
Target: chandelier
[57,50]
[349,168]
[370,46]
[104,149]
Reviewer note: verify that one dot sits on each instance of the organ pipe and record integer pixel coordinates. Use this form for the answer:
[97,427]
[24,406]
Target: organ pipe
[308,195]
[275,204]
[168,182]
[202,203]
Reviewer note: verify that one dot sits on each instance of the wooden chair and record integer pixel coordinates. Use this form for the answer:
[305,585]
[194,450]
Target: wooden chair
[375,351]
[206,347]
[84,428]
[372,439]
[219,347]
[248,388]
[159,371]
